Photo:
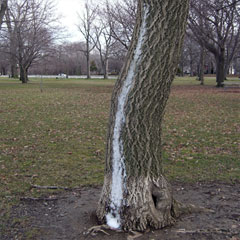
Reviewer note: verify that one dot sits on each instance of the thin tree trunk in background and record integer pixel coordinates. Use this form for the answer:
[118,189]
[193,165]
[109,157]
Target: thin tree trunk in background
[13,60]
[201,66]
[23,74]
[220,65]
[14,72]
[226,70]
[106,69]
[191,62]
[88,65]
[182,70]
[3,70]
[13,46]
[136,195]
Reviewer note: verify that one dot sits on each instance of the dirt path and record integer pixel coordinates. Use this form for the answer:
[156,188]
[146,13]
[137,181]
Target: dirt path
[71,215]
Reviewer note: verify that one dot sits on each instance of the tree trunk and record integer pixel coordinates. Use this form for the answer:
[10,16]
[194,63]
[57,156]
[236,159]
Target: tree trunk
[191,69]
[201,66]
[226,69]
[14,72]
[88,67]
[3,70]
[105,67]
[135,194]
[13,46]
[13,63]
[182,70]
[88,61]
[191,61]
[220,65]
[23,74]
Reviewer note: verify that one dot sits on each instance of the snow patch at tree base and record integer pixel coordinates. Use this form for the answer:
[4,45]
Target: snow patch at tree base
[113,222]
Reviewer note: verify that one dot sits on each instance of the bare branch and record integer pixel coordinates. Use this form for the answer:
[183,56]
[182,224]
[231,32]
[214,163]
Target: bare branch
[86,28]
[3,8]
[229,5]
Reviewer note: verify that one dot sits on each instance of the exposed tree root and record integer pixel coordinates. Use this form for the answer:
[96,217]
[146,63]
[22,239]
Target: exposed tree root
[133,235]
[148,204]
[100,229]
[178,209]
[50,187]
[181,208]
[226,232]
[93,231]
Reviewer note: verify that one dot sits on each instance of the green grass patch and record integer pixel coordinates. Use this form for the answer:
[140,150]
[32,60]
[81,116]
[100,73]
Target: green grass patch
[57,136]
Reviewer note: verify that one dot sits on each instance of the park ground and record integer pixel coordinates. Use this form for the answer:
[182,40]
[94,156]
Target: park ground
[52,133]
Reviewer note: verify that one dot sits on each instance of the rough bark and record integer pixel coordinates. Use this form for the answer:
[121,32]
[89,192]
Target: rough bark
[135,194]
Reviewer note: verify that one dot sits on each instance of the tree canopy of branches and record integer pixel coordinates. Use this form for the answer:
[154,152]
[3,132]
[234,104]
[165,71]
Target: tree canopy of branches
[87,29]
[31,31]
[216,26]
[104,41]
[122,17]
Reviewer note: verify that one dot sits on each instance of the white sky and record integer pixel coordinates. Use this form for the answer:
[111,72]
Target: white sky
[68,10]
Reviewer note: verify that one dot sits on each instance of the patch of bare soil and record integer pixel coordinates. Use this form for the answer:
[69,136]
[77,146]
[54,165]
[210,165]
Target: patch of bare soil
[70,215]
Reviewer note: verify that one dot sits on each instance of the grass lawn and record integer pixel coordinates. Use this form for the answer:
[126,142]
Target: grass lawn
[57,137]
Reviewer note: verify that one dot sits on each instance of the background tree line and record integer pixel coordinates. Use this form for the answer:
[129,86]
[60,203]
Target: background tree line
[32,41]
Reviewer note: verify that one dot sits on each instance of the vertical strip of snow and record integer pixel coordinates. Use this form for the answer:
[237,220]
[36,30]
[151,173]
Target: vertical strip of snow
[119,171]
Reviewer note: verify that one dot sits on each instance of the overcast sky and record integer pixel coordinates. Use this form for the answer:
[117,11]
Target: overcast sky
[68,9]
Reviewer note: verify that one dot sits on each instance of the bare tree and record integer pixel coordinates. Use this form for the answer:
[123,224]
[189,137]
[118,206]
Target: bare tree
[122,17]
[4,63]
[136,195]
[192,54]
[68,59]
[216,26]
[32,27]
[86,27]
[105,43]
[12,46]
[3,8]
